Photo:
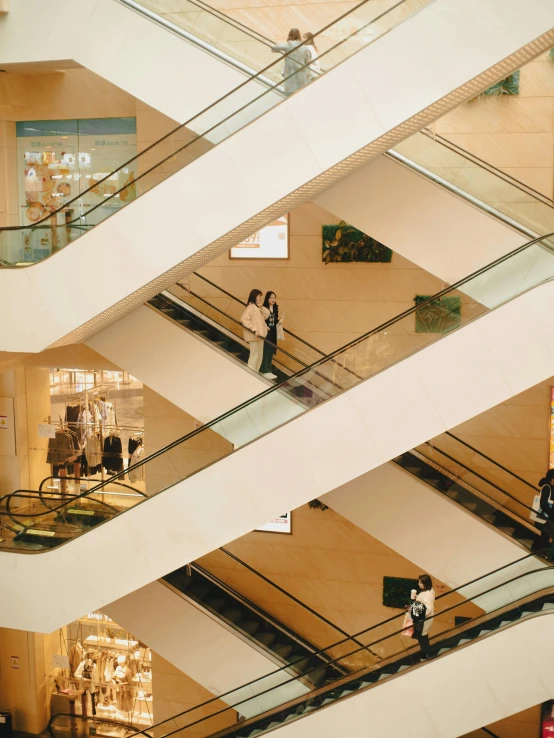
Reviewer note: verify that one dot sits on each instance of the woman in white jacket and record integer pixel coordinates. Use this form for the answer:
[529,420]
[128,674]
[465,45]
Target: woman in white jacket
[426,595]
[315,68]
[255,328]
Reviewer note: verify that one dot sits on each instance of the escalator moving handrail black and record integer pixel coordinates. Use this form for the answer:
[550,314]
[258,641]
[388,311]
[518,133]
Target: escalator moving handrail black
[277,348]
[518,184]
[488,458]
[200,114]
[237,299]
[410,311]
[327,687]
[284,591]
[489,732]
[257,609]
[484,479]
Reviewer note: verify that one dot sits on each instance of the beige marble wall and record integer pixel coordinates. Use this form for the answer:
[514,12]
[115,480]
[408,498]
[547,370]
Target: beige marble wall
[74,93]
[164,423]
[332,566]
[515,433]
[174,692]
[515,133]
[29,389]
[524,724]
[326,305]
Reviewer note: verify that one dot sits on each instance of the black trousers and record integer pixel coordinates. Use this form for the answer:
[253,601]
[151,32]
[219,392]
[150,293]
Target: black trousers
[267,361]
[423,644]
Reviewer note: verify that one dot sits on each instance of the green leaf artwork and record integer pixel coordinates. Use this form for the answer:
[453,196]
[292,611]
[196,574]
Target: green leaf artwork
[438,316]
[396,591]
[507,86]
[344,243]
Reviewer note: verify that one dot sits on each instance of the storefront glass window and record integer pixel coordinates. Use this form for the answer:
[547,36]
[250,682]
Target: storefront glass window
[59,160]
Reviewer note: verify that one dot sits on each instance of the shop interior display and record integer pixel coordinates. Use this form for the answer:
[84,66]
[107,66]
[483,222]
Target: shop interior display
[106,674]
[89,435]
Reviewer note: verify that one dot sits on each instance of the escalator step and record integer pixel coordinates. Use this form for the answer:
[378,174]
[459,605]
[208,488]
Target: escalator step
[200,591]
[250,626]
[268,639]
[232,614]
[215,603]
[283,650]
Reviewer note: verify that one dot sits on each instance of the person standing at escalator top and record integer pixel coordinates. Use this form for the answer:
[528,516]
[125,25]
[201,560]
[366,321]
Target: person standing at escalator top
[315,68]
[255,328]
[296,73]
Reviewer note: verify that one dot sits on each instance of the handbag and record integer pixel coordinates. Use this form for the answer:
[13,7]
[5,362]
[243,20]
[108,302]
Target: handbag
[280,332]
[408,626]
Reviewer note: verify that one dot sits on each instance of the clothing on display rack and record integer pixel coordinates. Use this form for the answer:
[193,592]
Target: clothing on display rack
[136,474]
[62,449]
[112,458]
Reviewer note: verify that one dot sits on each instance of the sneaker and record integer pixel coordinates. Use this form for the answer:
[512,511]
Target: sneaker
[269,375]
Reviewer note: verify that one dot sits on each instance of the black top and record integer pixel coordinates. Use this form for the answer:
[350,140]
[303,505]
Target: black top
[271,323]
[546,501]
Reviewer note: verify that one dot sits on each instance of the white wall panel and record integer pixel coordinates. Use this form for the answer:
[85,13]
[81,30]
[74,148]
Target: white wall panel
[262,163]
[204,649]
[488,361]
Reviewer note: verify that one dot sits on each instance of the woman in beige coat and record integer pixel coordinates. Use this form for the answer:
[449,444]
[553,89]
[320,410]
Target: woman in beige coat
[255,328]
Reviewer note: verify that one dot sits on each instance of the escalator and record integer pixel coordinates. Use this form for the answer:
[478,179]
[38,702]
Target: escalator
[440,186]
[217,161]
[208,620]
[481,669]
[389,393]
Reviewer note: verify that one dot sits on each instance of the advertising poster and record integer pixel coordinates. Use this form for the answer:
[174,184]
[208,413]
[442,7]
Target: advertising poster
[547,720]
[270,242]
[282,524]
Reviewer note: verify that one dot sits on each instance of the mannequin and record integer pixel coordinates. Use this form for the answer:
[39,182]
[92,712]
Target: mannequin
[123,677]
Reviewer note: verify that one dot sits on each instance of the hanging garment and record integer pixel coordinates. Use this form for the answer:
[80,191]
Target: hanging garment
[137,474]
[112,459]
[60,448]
[75,657]
[93,453]
[133,444]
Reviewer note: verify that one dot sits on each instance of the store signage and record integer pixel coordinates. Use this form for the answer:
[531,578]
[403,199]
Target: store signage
[270,242]
[99,616]
[79,511]
[33,532]
[46,430]
[282,524]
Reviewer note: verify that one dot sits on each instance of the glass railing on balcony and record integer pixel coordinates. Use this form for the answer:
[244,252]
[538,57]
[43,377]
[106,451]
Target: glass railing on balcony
[498,600]
[375,351]
[490,188]
[351,32]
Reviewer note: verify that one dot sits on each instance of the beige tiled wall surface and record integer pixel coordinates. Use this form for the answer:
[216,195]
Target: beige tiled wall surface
[174,692]
[524,724]
[514,133]
[326,305]
[332,566]
[74,93]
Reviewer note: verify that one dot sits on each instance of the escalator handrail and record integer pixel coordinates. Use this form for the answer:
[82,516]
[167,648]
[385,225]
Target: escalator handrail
[196,40]
[219,14]
[488,458]
[169,297]
[247,602]
[349,12]
[545,199]
[284,591]
[484,479]
[277,387]
[242,302]
[327,687]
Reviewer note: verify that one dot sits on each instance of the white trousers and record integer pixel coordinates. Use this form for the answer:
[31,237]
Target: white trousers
[256,354]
